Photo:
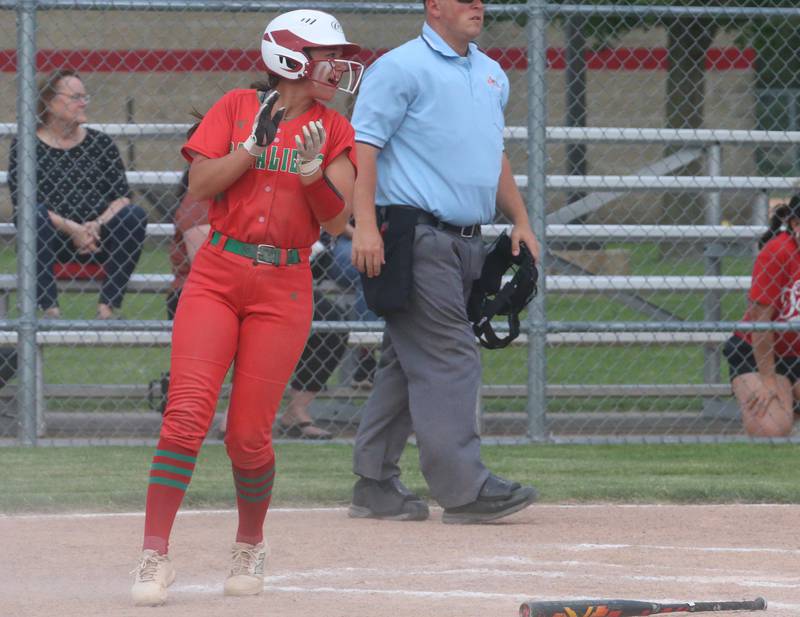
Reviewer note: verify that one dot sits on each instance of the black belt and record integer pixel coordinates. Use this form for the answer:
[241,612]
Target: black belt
[467,231]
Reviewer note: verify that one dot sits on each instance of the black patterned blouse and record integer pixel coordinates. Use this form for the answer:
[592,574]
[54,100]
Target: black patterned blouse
[78,183]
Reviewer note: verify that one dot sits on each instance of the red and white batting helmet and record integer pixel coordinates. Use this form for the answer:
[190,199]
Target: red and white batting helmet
[288,36]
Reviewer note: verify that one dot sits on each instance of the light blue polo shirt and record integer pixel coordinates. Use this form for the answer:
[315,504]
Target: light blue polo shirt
[438,119]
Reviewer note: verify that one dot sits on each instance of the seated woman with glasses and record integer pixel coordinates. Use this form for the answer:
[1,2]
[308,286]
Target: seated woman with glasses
[84,210]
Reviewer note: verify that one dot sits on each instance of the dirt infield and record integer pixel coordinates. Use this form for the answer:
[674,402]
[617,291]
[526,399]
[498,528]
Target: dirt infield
[323,563]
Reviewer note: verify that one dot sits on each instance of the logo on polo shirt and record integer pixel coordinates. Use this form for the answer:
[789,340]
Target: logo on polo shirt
[493,83]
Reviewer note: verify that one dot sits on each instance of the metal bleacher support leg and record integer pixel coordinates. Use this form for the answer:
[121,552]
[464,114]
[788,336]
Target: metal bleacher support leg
[712,310]
[41,427]
[760,214]
[130,119]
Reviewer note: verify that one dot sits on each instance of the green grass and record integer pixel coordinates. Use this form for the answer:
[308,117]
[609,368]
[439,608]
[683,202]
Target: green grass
[115,478]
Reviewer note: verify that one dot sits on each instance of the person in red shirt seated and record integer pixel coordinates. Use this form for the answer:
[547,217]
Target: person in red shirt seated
[765,365]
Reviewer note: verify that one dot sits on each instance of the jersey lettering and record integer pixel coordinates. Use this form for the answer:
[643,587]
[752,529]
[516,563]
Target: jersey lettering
[790,300]
[273,158]
[283,159]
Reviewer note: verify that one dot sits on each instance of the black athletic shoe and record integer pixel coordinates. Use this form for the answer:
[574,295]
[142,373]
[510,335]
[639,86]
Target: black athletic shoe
[498,498]
[386,499]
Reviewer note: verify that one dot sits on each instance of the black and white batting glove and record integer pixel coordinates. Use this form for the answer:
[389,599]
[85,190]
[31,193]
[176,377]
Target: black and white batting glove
[265,126]
[309,159]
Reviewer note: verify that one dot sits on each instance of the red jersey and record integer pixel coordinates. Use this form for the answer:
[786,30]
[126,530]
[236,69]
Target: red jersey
[776,283]
[266,205]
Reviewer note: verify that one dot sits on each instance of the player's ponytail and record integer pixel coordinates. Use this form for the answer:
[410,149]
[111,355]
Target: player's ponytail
[779,221]
[183,184]
[266,86]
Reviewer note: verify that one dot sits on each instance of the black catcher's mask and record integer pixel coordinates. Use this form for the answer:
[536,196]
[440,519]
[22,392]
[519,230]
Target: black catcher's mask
[487,299]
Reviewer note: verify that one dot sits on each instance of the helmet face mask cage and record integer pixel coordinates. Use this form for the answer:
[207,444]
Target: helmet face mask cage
[345,75]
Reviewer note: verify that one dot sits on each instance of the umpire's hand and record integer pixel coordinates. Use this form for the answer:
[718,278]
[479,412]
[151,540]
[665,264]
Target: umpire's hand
[523,233]
[367,250]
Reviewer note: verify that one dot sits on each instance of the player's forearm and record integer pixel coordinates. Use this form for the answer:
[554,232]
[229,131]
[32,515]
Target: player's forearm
[62,224]
[113,209]
[364,192]
[763,342]
[209,177]
[337,224]
[509,199]
[331,197]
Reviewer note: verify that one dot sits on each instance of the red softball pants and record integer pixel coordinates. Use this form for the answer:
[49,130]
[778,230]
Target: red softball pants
[232,311]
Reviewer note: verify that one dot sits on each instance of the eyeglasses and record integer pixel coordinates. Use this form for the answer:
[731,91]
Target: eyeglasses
[75,98]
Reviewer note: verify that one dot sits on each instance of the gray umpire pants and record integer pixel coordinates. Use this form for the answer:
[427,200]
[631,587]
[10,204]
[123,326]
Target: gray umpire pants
[428,376]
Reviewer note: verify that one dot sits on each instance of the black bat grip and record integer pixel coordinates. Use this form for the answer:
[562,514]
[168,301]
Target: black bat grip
[759,604]
[629,608]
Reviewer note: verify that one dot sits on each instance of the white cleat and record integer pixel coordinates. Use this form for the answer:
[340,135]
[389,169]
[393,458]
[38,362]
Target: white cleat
[153,575]
[247,569]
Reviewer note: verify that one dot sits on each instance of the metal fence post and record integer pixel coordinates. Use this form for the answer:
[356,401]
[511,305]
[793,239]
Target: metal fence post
[26,219]
[536,198]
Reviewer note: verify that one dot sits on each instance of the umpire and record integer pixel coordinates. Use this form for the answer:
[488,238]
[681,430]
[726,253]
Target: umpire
[429,140]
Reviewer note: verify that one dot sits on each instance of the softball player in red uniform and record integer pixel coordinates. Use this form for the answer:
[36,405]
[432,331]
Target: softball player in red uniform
[278,165]
[765,366]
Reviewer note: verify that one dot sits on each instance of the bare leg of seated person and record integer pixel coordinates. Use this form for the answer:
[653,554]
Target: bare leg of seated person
[795,408]
[104,311]
[773,420]
[296,421]
[52,313]
[319,360]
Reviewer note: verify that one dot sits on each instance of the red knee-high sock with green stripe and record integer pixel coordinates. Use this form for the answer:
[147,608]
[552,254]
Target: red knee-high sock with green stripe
[170,475]
[253,494]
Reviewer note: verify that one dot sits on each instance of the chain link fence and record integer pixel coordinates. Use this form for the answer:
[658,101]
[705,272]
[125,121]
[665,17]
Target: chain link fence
[648,140]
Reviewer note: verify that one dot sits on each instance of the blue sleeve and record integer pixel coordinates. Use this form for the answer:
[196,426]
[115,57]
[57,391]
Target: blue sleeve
[383,99]
[505,88]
